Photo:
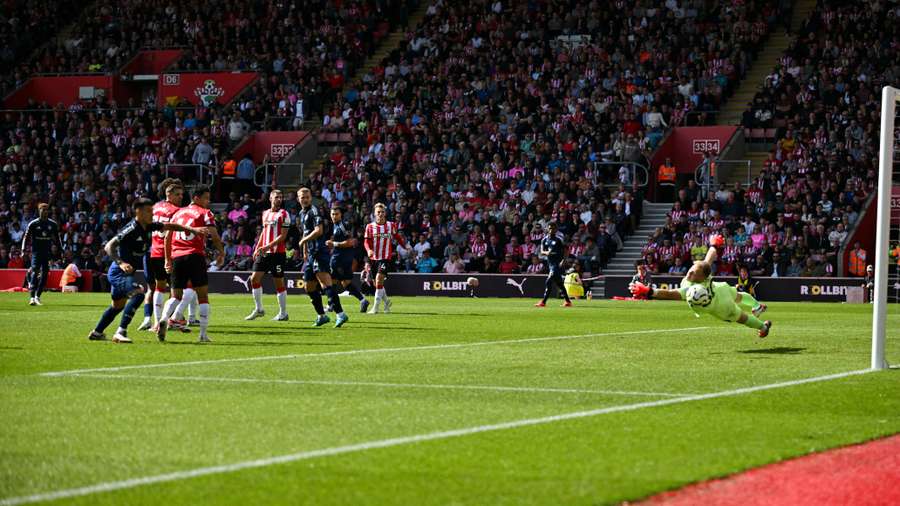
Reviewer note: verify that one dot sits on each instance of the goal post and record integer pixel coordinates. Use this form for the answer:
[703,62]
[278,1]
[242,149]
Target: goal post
[889,98]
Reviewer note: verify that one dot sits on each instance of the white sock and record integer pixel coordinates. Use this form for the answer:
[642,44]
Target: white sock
[186,298]
[122,331]
[194,308]
[146,320]
[204,318]
[282,302]
[168,309]
[257,298]
[158,299]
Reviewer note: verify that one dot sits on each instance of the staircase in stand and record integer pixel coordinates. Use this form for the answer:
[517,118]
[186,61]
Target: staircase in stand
[623,263]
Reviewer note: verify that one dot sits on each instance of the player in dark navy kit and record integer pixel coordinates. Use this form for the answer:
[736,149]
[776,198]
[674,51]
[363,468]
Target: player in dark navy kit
[43,233]
[553,249]
[317,260]
[126,250]
[343,248]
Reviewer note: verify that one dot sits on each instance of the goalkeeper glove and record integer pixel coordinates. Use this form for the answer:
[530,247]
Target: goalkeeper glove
[640,290]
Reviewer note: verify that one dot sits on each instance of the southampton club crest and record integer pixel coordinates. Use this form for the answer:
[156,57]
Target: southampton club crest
[209,92]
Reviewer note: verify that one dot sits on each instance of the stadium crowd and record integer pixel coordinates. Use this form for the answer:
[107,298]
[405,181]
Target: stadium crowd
[488,122]
[824,100]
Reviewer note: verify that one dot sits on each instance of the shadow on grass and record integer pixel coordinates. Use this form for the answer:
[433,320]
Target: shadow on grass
[250,343]
[437,314]
[781,350]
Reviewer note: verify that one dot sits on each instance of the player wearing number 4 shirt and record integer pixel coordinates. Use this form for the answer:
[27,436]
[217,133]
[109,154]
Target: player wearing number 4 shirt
[269,256]
[186,259]
[379,243]
[317,260]
[126,249]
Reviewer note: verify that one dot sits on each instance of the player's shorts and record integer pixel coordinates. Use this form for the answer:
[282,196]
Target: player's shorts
[382,266]
[723,305]
[40,261]
[316,263]
[273,263]
[155,269]
[121,284]
[555,269]
[189,269]
[341,268]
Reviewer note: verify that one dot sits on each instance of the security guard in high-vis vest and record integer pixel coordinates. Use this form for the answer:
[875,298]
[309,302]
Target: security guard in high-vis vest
[573,284]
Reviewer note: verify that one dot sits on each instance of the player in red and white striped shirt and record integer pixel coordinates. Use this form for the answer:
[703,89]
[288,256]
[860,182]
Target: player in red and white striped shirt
[186,259]
[379,244]
[155,263]
[269,256]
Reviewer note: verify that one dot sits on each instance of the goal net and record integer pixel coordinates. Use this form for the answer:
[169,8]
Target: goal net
[887,234]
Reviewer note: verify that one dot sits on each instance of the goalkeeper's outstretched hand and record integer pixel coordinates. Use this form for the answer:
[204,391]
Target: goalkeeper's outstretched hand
[716,241]
[639,290]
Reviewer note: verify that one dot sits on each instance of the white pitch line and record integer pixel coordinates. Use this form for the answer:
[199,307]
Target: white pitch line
[366,350]
[398,441]
[381,384]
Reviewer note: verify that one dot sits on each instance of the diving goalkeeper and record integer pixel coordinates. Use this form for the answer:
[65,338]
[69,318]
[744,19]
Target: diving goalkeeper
[719,299]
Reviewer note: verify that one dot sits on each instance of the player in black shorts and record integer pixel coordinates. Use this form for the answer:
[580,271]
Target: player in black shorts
[43,233]
[343,248]
[269,256]
[317,260]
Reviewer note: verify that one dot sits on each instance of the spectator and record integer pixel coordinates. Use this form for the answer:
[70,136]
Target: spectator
[454,265]
[426,264]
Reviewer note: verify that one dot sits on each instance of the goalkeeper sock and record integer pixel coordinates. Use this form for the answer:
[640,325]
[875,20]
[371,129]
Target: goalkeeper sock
[748,301]
[754,322]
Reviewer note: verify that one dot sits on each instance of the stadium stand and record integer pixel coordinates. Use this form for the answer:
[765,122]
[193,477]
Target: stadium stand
[823,100]
[489,121]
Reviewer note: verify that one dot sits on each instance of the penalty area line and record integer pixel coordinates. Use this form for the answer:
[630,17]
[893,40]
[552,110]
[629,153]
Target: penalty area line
[376,384]
[366,350]
[398,441]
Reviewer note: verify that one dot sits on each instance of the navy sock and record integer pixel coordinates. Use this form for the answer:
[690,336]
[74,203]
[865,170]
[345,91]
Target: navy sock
[42,280]
[108,316]
[334,299]
[130,309]
[316,298]
[354,291]
[148,307]
[548,285]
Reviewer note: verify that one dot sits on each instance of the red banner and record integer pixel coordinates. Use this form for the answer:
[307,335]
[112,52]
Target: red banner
[275,144]
[203,88]
[15,278]
[61,89]
[686,146]
[152,62]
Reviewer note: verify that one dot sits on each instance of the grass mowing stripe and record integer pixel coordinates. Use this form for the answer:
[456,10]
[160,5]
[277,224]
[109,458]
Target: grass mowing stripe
[366,350]
[380,384]
[385,443]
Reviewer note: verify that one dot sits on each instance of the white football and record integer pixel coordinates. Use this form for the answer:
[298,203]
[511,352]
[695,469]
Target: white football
[473,282]
[698,295]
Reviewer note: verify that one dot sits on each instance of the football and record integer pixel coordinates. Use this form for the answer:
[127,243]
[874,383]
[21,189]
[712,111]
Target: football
[698,295]
[473,282]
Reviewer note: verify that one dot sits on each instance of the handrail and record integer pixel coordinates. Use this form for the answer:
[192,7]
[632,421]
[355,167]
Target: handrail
[634,167]
[274,173]
[202,172]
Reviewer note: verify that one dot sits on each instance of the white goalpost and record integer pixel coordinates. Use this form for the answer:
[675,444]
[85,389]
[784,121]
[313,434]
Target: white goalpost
[889,99]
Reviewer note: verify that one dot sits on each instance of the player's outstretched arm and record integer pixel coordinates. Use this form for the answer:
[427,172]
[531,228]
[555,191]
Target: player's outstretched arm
[642,291]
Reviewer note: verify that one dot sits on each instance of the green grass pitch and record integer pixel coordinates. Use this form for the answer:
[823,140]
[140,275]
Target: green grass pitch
[345,414]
